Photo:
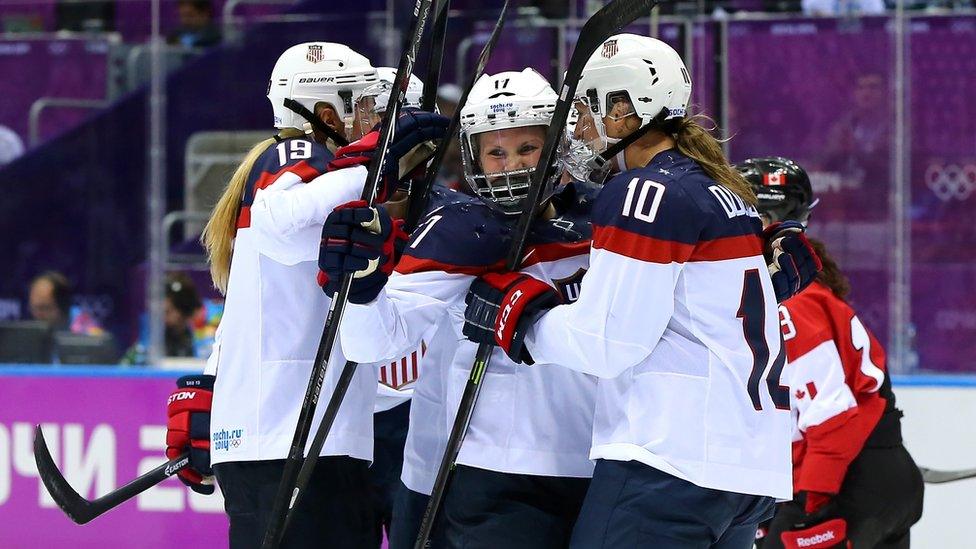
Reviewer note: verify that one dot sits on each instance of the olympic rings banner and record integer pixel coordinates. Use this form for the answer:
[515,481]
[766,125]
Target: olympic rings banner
[104,428]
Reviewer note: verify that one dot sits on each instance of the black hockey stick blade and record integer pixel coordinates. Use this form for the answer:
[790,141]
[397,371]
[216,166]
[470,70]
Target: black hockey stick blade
[435,57]
[287,489]
[604,23]
[932,476]
[81,510]
[420,195]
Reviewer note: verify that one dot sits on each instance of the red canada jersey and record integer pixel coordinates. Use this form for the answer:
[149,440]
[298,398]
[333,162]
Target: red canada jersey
[836,373]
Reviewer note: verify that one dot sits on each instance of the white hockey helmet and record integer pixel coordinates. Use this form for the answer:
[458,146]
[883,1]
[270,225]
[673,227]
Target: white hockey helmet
[504,101]
[644,71]
[314,72]
[372,100]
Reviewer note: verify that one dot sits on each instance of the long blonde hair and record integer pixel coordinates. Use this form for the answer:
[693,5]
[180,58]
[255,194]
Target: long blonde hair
[694,141]
[218,235]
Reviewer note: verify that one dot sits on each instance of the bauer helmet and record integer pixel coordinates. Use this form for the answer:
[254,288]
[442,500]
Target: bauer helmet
[782,187]
[316,72]
[646,73]
[509,100]
[371,102]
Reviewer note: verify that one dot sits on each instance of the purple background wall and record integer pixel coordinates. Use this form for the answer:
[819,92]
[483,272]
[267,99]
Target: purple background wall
[823,95]
[103,432]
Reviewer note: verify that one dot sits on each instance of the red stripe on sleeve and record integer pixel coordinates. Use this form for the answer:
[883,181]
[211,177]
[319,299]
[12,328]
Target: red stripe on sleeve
[413,362]
[244,218]
[403,365]
[640,247]
[410,264]
[383,369]
[305,171]
[732,247]
[554,252]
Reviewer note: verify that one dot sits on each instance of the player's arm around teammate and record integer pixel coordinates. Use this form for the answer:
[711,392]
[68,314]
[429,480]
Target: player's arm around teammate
[263,239]
[851,473]
[676,316]
[523,468]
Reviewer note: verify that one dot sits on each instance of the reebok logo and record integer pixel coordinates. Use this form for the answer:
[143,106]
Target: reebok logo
[815,540]
[507,310]
[182,395]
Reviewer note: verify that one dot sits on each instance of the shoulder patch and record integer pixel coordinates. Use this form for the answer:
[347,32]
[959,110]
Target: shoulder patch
[303,157]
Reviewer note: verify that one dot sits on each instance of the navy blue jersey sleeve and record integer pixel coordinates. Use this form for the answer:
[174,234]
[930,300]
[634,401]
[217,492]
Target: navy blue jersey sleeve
[461,237]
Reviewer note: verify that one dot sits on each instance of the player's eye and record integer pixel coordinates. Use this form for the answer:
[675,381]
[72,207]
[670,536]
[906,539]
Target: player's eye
[497,153]
[528,149]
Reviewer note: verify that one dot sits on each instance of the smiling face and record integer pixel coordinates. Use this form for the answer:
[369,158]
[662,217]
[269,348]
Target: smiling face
[510,149]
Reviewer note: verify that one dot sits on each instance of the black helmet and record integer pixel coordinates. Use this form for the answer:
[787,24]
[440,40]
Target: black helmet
[782,187]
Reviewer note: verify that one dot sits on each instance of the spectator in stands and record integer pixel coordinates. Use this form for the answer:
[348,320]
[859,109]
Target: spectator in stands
[181,305]
[448,96]
[197,26]
[843,7]
[50,299]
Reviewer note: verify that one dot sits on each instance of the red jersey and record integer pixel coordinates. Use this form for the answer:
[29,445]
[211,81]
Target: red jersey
[836,373]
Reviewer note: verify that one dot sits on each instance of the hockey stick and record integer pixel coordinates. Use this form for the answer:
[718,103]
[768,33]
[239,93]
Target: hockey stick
[438,34]
[288,491]
[420,195]
[349,370]
[82,510]
[932,476]
[598,28]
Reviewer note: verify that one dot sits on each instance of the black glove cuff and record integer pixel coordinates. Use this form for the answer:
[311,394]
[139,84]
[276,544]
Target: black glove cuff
[202,381]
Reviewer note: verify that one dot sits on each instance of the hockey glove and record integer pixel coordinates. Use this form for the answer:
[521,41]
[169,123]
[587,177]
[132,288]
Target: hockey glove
[188,430]
[502,307]
[414,141]
[820,528]
[823,535]
[793,263]
[360,240]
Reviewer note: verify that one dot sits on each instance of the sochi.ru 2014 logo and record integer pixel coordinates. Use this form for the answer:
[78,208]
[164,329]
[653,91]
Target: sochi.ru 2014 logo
[227,440]
[951,181]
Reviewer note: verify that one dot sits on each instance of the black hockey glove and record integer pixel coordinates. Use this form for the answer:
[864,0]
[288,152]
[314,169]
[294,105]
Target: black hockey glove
[414,141]
[793,263]
[360,240]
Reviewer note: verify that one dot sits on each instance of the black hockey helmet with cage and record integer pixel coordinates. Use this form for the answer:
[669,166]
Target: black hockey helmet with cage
[782,187]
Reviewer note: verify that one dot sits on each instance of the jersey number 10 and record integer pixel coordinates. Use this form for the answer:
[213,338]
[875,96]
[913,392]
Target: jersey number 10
[752,311]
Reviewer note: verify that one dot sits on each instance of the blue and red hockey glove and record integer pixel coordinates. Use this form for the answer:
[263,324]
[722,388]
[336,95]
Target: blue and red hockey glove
[188,429]
[501,309]
[793,263]
[415,137]
[361,240]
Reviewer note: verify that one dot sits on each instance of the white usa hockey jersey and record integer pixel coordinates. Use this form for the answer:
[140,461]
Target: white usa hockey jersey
[678,318]
[274,313]
[528,420]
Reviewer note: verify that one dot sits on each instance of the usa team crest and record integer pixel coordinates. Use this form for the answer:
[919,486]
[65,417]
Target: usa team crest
[569,287]
[315,53]
[609,49]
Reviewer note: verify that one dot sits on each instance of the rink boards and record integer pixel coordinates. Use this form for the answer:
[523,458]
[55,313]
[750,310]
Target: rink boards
[106,425]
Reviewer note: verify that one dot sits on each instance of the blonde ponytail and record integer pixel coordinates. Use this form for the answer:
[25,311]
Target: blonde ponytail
[694,141]
[218,235]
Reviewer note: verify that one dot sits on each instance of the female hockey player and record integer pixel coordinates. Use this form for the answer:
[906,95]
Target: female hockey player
[263,240]
[523,469]
[853,480]
[676,317]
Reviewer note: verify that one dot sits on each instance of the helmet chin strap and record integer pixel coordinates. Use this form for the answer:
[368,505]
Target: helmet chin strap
[617,146]
[315,122]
